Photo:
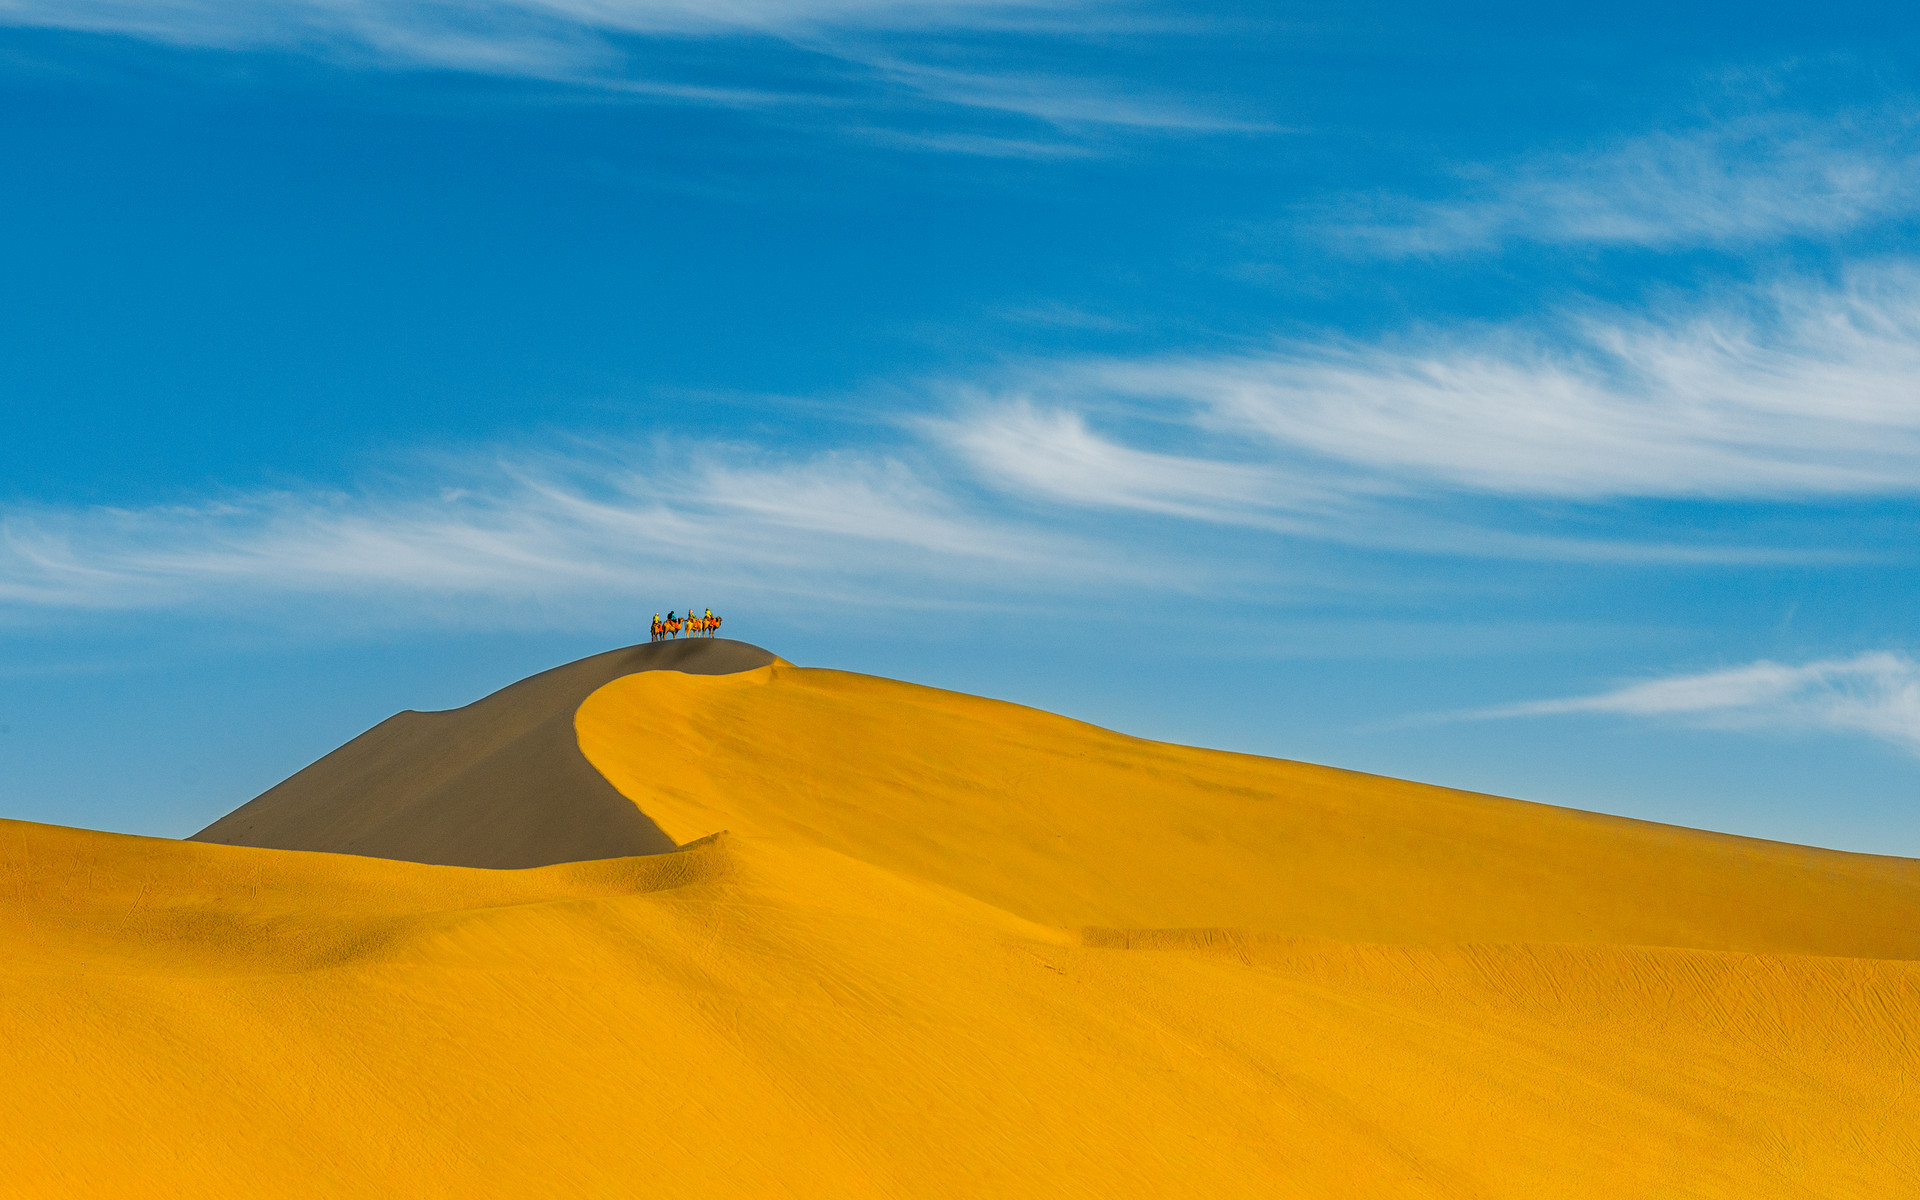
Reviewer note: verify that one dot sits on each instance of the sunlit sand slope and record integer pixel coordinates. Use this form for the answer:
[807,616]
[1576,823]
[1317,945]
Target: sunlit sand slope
[952,947]
[1071,825]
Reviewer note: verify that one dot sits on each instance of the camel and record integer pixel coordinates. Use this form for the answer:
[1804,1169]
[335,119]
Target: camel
[701,624]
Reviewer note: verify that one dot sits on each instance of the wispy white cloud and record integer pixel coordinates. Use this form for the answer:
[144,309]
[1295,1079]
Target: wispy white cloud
[554,531]
[1805,395]
[1800,392]
[504,34]
[1751,179]
[1877,693]
[979,145]
[1061,102]
[593,42]
[1052,454]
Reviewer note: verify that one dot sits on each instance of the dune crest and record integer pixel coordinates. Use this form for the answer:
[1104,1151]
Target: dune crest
[498,783]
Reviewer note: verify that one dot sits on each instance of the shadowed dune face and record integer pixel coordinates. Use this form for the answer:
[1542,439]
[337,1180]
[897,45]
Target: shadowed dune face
[498,783]
[949,947]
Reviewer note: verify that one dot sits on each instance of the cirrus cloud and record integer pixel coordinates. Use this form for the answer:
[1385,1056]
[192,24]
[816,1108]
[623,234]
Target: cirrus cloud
[1876,693]
[543,533]
[884,65]
[1798,392]
[1078,476]
[1752,179]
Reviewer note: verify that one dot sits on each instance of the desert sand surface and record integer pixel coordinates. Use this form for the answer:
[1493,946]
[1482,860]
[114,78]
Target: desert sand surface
[914,943]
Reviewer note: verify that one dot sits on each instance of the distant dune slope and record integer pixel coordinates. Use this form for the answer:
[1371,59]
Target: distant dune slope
[499,783]
[952,947]
[1071,825]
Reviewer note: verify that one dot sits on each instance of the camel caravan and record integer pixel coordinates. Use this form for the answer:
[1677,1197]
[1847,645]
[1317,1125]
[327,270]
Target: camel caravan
[693,625]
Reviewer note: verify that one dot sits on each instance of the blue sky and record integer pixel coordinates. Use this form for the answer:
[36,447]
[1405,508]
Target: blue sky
[1521,401]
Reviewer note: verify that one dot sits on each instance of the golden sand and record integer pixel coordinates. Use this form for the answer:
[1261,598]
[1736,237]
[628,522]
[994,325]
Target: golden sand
[949,946]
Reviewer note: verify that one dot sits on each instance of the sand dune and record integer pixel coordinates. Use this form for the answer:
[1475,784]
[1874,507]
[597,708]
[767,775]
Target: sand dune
[1071,825]
[499,783]
[954,947]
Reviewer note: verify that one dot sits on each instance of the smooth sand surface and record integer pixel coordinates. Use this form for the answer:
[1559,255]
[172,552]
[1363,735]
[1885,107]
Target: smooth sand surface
[1071,825]
[498,783]
[955,947]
